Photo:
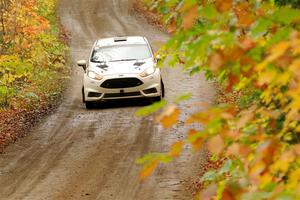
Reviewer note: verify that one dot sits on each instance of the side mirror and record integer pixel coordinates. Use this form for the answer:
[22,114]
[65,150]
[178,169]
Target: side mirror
[157,58]
[82,63]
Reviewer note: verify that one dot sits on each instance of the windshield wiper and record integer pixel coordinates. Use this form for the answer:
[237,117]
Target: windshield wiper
[122,60]
[97,61]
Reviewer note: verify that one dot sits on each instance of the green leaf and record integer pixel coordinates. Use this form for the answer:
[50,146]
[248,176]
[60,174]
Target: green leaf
[256,53]
[164,158]
[31,95]
[3,90]
[151,109]
[256,195]
[195,70]
[227,167]
[183,97]
[261,27]
[209,12]
[209,176]
[286,15]
[145,159]
[282,34]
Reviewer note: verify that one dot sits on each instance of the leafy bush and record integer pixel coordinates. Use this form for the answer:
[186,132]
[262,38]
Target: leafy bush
[248,46]
[30,47]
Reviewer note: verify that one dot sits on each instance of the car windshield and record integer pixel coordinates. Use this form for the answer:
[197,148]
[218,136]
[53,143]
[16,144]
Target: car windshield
[121,53]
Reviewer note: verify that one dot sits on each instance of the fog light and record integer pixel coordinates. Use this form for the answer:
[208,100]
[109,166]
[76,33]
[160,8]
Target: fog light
[149,91]
[94,94]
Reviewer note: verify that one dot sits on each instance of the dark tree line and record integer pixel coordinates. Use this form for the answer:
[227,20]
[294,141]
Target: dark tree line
[293,3]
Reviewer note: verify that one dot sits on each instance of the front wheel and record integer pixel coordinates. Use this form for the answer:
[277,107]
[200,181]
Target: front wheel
[162,89]
[83,96]
[89,105]
[156,99]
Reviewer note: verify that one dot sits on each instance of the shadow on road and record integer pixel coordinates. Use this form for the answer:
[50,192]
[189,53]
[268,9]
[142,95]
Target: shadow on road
[122,103]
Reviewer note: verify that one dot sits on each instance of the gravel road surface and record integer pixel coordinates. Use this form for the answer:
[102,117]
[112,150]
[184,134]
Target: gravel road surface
[90,154]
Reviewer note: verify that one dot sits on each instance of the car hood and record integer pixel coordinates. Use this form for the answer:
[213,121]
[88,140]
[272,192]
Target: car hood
[121,67]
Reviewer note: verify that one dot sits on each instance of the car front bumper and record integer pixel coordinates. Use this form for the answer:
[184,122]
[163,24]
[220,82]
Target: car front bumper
[150,87]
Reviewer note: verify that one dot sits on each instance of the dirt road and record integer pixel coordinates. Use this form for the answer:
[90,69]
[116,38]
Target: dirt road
[80,154]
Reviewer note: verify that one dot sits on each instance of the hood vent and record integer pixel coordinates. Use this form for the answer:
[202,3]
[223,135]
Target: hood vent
[120,39]
[138,64]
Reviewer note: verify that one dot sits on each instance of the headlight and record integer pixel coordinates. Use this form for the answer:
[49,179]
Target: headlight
[148,72]
[94,75]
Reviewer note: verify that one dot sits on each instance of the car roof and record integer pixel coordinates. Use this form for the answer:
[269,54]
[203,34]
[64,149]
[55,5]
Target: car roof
[121,41]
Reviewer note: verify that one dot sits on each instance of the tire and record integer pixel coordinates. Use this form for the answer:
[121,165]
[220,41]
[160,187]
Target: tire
[162,89]
[162,94]
[156,99]
[89,105]
[83,96]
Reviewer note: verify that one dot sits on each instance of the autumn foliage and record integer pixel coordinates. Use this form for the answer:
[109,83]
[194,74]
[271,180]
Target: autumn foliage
[32,61]
[29,46]
[247,46]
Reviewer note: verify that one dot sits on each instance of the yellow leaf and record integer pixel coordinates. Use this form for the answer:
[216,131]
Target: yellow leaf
[278,50]
[265,179]
[284,161]
[148,170]
[283,78]
[266,77]
[294,178]
[295,68]
[176,149]
[257,169]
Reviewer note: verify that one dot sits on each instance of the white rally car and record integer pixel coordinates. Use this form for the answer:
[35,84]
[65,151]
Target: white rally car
[121,68]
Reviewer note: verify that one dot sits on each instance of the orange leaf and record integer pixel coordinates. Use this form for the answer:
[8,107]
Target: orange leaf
[233,149]
[267,150]
[247,43]
[172,27]
[223,5]
[216,61]
[190,17]
[176,149]
[216,145]
[197,144]
[244,120]
[232,80]
[200,117]
[148,170]
[297,149]
[169,117]
[209,193]
[244,15]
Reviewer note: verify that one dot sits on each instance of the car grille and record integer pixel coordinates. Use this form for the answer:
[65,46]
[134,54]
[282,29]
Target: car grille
[128,94]
[121,83]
